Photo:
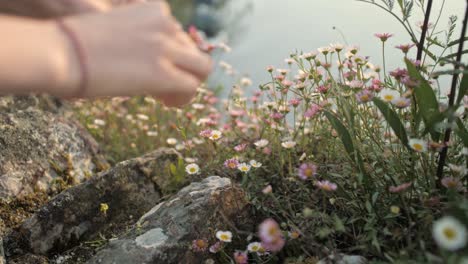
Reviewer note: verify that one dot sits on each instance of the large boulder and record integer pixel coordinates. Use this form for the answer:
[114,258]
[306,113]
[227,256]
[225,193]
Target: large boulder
[106,202]
[164,234]
[40,144]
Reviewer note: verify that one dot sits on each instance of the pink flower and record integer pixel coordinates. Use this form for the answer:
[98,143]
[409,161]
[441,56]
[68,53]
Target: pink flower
[275,245]
[401,102]
[277,116]
[312,111]
[364,96]
[453,183]
[383,36]
[405,48]
[287,83]
[231,164]
[237,113]
[216,247]
[399,188]
[241,257]
[268,189]
[206,133]
[399,74]
[240,147]
[326,186]
[199,245]
[307,171]
[323,88]
[295,102]
[376,85]
[269,231]
[266,151]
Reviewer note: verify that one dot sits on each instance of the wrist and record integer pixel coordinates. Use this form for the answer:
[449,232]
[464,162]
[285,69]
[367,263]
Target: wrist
[65,76]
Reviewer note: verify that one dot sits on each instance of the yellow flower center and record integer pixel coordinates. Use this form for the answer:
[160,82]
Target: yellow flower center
[418,147]
[449,233]
[254,248]
[308,172]
[364,97]
[193,170]
[224,237]
[388,97]
[201,244]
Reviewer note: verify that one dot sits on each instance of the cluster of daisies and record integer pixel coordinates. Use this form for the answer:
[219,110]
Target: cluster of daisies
[272,240]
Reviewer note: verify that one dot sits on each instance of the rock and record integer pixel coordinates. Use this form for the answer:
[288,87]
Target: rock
[343,259]
[2,253]
[164,234]
[75,215]
[40,143]
[29,259]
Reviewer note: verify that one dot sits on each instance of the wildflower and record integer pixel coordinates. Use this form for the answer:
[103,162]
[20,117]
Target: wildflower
[364,96]
[215,135]
[295,102]
[394,209]
[231,163]
[255,164]
[282,71]
[294,234]
[205,133]
[312,111]
[289,61]
[244,167]
[388,95]
[383,36]
[288,144]
[326,186]
[276,245]
[179,147]
[268,189]
[452,183]
[192,168]
[277,116]
[460,170]
[151,133]
[266,151]
[355,84]
[449,233]
[325,50]
[240,147]
[337,47]
[171,141]
[399,188]
[307,171]
[254,247]
[270,69]
[142,117]
[246,82]
[240,257]
[418,145]
[190,160]
[323,88]
[216,247]
[103,207]
[261,143]
[405,48]
[401,102]
[399,74]
[99,122]
[224,236]
[309,55]
[224,47]
[199,245]
[269,230]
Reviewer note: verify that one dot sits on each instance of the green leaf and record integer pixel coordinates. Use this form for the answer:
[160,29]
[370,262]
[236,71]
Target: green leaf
[425,99]
[462,132]
[393,120]
[463,88]
[173,169]
[343,133]
[455,42]
[453,55]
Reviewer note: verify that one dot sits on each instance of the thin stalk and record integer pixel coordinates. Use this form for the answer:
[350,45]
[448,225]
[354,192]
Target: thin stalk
[448,131]
[424,30]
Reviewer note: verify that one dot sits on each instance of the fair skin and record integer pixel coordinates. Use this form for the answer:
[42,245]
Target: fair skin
[131,50]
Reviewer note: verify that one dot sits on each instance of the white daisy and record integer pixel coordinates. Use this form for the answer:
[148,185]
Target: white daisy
[288,144]
[192,168]
[261,143]
[255,164]
[388,95]
[224,236]
[418,145]
[171,141]
[449,233]
[215,135]
[244,167]
[254,247]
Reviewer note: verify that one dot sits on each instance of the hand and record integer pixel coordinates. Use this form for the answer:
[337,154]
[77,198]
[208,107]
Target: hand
[138,49]
[52,8]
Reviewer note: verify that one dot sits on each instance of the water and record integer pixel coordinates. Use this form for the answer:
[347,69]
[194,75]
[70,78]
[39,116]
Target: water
[265,32]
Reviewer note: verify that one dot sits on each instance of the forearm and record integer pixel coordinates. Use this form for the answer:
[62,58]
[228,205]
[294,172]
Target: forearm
[35,57]
[51,8]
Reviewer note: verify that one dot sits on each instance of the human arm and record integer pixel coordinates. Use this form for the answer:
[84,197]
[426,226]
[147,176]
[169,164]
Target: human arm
[139,49]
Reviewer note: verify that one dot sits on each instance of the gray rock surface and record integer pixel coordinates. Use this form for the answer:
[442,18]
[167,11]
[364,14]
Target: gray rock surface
[40,143]
[343,259]
[164,234]
[75,214]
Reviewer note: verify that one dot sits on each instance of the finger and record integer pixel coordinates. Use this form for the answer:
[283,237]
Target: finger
[191,60]
[181,86]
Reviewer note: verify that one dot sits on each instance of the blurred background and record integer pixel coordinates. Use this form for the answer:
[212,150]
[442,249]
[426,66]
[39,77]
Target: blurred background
[265,32]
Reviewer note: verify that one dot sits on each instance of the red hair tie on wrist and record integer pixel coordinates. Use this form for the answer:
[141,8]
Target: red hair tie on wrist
[80,55]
